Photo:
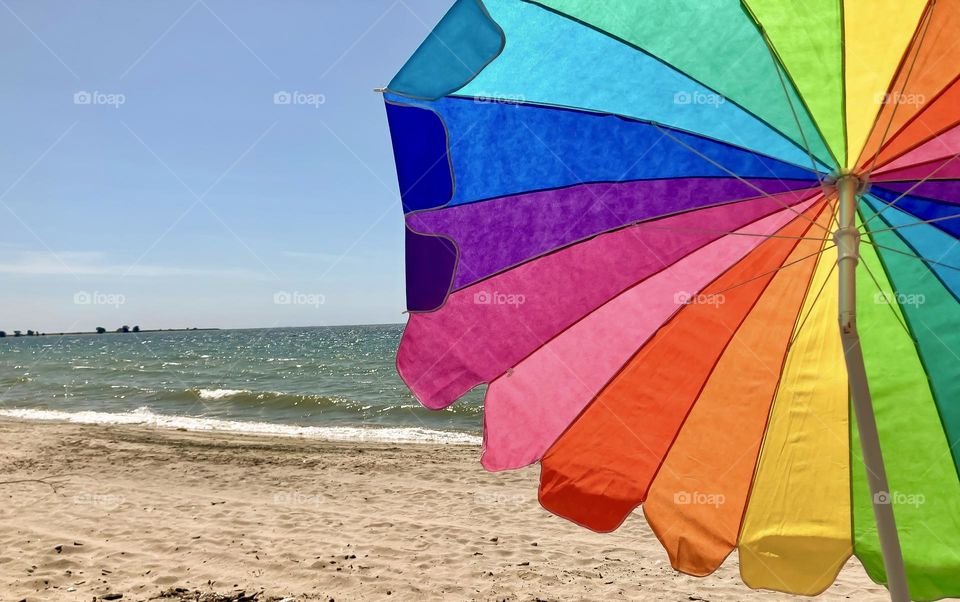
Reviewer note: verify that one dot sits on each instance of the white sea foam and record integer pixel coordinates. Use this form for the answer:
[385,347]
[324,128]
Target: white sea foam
[144,417]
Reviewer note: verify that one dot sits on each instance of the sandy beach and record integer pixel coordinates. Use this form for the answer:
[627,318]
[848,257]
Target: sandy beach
[90,512]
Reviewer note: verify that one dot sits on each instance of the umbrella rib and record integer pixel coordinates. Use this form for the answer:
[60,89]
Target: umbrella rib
[777,64]
[743,144]
[930,271]
[733,337]
[887,205]
[918,257]
[876,282]
[823,286]
[786,265]
[744,181]
[928,12]
[596,198]
[733,233]
[918,223]
[813,304]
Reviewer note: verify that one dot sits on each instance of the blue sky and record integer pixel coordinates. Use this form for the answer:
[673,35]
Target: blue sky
[148,174]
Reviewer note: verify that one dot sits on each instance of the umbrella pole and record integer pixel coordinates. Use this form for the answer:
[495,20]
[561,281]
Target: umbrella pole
[847,238]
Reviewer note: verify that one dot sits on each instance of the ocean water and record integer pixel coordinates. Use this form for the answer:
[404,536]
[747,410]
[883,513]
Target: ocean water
[334,383]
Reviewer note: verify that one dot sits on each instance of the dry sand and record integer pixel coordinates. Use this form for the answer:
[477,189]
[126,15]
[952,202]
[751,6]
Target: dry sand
[139,512]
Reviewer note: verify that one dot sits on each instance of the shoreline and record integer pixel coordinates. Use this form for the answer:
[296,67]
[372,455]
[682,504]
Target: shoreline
[107,509]
[10,335]
[99,334]
[145,418]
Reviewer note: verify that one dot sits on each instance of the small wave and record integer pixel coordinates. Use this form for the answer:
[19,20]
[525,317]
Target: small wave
[145,417]
[279,400]
[270,398]
[221,393]
[16,380]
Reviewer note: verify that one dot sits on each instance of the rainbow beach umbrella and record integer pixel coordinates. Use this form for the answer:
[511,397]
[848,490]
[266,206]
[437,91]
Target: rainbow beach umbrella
[638,222]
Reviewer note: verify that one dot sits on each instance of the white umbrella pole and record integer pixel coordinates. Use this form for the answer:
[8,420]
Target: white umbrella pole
[847,238]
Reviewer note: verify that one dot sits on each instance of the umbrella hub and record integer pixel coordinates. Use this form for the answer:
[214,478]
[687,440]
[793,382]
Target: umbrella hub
[847,188]
[831,182]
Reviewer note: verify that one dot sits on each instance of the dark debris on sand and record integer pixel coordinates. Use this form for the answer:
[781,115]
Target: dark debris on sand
[182,594]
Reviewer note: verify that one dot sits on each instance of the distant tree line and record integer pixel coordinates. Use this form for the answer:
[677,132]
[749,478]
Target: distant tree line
[37,333]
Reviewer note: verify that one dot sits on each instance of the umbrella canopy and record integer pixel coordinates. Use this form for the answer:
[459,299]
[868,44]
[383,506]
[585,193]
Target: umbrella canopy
[620,216]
